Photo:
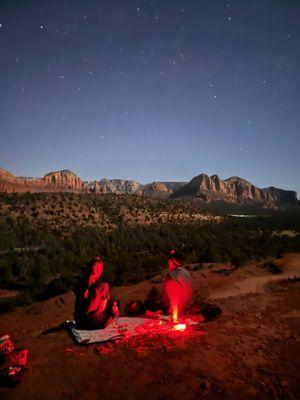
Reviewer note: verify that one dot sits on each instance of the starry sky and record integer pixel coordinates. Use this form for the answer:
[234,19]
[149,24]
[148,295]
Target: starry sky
[151,90]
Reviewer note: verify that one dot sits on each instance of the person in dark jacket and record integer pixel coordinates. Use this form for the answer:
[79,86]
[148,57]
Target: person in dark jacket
[177,289]
[92,297]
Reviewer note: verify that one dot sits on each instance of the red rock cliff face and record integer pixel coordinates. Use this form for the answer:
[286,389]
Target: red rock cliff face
[54,181]
[157,189]
[63,180]
[233,190]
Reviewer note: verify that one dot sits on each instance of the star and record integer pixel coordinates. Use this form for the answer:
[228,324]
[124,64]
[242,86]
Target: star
[42,27]
[229,18]
[138,9]
[0,25]
[61,76]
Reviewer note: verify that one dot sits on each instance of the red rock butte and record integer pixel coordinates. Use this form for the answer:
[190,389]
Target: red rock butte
[57,181]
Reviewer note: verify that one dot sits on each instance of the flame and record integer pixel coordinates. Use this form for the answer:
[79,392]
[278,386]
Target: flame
[175,313]
[179,327]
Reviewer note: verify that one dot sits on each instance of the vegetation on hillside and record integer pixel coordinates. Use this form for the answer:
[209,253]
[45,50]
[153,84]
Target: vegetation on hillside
[46,238]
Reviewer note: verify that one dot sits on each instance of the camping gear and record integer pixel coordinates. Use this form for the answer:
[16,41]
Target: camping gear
[134,308]
[13,362]
[6,344]
[115,310]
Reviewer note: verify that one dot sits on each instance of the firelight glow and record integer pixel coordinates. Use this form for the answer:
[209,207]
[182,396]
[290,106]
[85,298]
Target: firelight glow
[174,309]
[179,327]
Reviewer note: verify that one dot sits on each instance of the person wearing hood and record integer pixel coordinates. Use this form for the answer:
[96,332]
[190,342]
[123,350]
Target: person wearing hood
[92,297]
[177,289]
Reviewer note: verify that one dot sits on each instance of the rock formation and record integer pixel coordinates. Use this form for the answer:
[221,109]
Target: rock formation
[65,181]
[157,189]
[234,190]
[119,186]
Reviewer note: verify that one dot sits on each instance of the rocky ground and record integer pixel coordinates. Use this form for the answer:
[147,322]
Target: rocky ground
[251,352]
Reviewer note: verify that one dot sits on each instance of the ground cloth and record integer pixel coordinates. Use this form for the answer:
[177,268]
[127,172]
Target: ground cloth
[124,327]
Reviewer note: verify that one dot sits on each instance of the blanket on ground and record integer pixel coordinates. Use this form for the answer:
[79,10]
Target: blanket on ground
[124,327]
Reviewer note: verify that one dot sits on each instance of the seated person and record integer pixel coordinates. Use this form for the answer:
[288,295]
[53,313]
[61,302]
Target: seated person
[92,297]
[177,290]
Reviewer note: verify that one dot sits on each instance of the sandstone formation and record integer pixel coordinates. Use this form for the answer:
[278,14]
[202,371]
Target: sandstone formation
[119,186]
[157,190]
[234,190]
[58,181]
[63,180]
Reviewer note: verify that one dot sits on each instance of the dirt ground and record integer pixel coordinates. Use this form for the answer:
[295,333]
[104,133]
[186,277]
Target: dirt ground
[251,352]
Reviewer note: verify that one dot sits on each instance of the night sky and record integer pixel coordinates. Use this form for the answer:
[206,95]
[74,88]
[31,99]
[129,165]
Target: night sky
[151,90]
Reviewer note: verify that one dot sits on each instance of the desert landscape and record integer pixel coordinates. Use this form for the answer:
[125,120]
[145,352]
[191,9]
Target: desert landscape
[250,352]
[149,200]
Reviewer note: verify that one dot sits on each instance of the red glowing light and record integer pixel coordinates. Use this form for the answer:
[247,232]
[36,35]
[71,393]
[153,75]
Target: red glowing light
[179,327]
[174,311]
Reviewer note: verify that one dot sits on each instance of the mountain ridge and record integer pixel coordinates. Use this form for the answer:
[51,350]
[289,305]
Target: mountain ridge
[201,187]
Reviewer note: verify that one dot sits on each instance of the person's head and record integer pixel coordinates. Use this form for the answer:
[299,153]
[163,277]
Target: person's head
[94,269]
[175,259]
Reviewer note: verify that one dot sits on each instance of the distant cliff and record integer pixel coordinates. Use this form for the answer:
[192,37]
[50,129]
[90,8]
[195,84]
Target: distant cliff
[57,181]
[234,190]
